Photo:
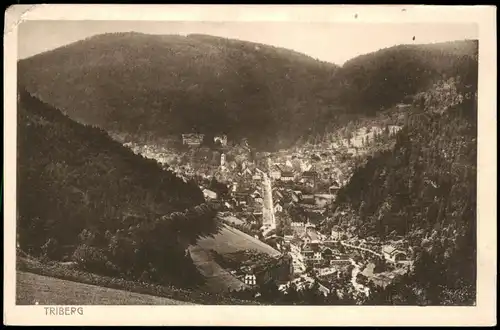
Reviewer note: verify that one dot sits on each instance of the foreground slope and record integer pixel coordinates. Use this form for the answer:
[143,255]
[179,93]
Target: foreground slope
[42,290]
[84,197]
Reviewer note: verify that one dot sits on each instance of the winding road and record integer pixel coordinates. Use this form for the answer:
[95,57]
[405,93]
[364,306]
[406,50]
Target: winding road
[361,248]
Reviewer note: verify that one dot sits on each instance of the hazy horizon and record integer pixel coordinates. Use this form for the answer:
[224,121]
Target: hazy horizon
[334,43]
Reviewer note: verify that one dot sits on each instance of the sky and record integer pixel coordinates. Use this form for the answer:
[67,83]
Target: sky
[330,42]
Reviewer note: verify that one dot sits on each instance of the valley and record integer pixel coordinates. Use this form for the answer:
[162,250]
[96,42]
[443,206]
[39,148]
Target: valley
[259,176]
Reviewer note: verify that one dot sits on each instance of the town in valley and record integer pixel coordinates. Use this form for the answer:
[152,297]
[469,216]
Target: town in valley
[285,199]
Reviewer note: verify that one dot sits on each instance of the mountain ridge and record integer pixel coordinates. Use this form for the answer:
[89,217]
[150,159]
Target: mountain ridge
[136,82]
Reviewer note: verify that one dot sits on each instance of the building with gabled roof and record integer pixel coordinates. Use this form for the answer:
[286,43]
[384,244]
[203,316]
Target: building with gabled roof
[311,251]
[275,172]
[307,198]
[245,173]
[336,234]
[250,279]
[287,176]
[334,188]
[192,139]
[257,177]
[277,194]
[256,193]
[392,254]
[209,194]
[323,199]
[310,174]
[278,208]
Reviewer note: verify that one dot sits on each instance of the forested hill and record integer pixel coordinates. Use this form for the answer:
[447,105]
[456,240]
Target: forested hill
[157,85]
[392,75]
[164,84]
[425,190]
[84,197]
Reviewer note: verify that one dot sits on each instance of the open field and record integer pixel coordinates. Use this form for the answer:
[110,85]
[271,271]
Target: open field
[27,264]
[229,240]
[218,279]
[32,288]
[232,220]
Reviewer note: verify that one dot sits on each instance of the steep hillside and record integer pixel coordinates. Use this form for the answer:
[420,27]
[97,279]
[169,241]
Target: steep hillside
[83,196]
[172,84]
[388,76]
[425,190]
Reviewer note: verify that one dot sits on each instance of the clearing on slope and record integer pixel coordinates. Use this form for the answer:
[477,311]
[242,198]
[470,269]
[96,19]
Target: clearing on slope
[228,240]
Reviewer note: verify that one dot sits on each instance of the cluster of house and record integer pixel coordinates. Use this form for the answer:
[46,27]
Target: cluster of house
[246,274]
[310,248]
[306,174]
[249,200]
[338,150]
[279,270]
[246,177]
[301,282]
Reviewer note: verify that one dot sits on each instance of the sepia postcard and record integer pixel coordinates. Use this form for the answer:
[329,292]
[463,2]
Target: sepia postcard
[250,165]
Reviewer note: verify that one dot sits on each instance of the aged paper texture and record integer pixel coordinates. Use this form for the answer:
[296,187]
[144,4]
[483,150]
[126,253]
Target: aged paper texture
[249,165]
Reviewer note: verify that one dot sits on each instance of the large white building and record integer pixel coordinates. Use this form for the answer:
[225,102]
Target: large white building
[250,279]
[192,139]
[209,194]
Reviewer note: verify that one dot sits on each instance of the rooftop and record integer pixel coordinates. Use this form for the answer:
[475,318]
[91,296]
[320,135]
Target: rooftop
[325,196]
[388,249]
[313,236]
[311,247]
[309,174]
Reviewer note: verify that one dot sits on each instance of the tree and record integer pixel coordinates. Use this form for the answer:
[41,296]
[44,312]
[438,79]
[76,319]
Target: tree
[50,249]
[292,296]
[269,291]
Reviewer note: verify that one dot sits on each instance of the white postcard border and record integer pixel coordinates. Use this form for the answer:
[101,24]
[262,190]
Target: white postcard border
[482,314]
